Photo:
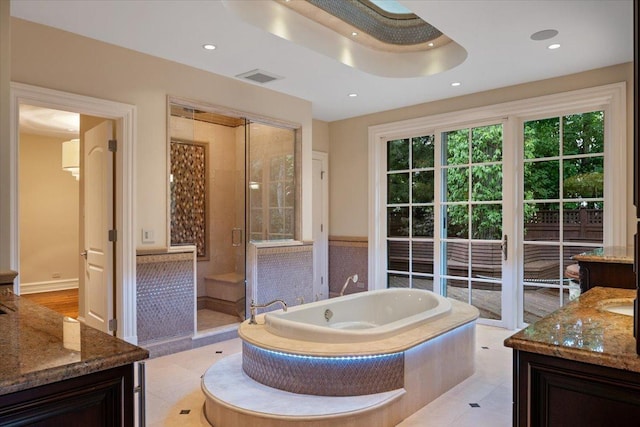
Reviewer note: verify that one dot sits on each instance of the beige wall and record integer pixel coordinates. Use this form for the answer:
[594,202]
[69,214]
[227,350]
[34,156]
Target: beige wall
[348,146]
[5,78]
[320,136]
[48,212]
[43,56]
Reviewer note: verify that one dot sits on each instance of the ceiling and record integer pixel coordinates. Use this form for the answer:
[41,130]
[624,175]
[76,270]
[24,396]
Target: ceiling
[495,35]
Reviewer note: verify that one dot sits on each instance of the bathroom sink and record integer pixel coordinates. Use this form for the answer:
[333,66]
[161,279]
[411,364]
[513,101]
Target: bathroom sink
[617,306]
[626,309]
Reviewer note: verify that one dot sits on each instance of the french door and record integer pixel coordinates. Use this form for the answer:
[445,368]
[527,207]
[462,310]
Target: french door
[445,215]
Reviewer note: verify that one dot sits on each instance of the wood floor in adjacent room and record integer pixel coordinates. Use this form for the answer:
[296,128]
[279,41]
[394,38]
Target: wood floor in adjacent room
[64,302]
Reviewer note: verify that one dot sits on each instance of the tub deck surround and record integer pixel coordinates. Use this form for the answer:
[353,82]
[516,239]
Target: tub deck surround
[584,331]
[33,351]
[259,336]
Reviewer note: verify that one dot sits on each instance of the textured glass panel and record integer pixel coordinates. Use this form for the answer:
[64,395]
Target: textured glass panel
[398,188]
[542,264]
[583,133]
[542,138]
[542,180]
[456,147]
[422,187]
[422,257]
[276,221]
[487,298]
[583,177]
[486,183]
[422,221]
[486,144]
[583,222]
[398,155]
[423,152]
[456,218]
[486,222]
[541,221]
[398,222]
[456,181]
[398,255]
[457,254]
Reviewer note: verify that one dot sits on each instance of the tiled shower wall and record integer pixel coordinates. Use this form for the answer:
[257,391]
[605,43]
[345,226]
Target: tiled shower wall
[165,296]
[280,272]
[348,256]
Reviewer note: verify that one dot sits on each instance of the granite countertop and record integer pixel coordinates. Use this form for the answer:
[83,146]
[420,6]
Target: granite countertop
[584,332]
[611,254]
[35,351]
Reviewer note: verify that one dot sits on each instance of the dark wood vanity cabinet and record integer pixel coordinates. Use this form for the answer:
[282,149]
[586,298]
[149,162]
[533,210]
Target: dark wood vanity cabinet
[100,399]
[551,391]
[608,274]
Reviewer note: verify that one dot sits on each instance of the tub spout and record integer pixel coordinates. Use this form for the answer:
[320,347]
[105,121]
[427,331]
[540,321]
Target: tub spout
[353,278]
[253,307]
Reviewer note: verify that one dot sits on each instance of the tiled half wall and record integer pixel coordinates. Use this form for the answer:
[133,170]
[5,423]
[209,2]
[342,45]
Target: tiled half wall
[348,256]
[165,296]
[280,272]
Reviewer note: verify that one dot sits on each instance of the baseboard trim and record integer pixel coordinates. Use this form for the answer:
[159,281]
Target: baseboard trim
[49,286]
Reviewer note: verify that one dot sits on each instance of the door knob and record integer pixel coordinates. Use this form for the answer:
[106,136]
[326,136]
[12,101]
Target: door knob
[83,254]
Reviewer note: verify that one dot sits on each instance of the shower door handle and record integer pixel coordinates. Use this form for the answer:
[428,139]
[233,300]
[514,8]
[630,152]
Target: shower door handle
[236,237]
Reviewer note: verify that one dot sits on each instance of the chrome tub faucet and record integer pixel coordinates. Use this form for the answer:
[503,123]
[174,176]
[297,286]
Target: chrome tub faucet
[353,278]
[253,307]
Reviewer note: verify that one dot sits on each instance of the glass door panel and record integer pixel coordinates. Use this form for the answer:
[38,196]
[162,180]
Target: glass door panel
[471,228]
[563,201]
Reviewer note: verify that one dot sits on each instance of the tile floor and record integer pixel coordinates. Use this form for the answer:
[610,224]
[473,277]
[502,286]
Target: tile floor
[484,399]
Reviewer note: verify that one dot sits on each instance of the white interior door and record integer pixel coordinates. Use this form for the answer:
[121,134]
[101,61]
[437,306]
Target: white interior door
[98,221]
[320,227]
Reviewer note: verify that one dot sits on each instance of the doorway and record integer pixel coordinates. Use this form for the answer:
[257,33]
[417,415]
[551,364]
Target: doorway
[124,247]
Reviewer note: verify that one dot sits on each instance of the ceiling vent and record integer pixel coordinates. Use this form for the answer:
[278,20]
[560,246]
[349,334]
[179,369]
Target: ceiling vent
[259,76]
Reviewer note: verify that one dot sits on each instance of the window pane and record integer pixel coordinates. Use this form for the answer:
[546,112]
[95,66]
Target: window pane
[398,155]
[542,264]
[398,188]
[456,181]
[486,144]
[457,258]
[422,221]
[542,221]
[486,260]
[420,282]
[456,218]
[456,289]
[486,183]
[539,302]
[542,138]
[423,152]
[583,133]
[422,257]
[398,255]
[422,187]
[541,180]
[397,281]
[487,298]
[398,222]
[486,222]
[583,177]
[456,147]
[583,222]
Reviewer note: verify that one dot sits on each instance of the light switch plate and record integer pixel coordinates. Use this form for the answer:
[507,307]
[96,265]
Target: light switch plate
[147,236]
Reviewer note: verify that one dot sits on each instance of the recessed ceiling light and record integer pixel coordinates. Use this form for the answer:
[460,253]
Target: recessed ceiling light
[544,35]
[553,46]
[430,44]
[456,84]
[353,95]
[353,33]
[209,46]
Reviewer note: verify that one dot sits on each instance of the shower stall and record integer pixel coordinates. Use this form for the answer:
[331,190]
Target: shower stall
[232,180]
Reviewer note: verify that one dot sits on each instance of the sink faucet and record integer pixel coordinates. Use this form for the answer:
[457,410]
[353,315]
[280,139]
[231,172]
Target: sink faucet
[253,307]
[353,278]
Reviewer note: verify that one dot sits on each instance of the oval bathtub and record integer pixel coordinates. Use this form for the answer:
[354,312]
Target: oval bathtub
[365,316]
